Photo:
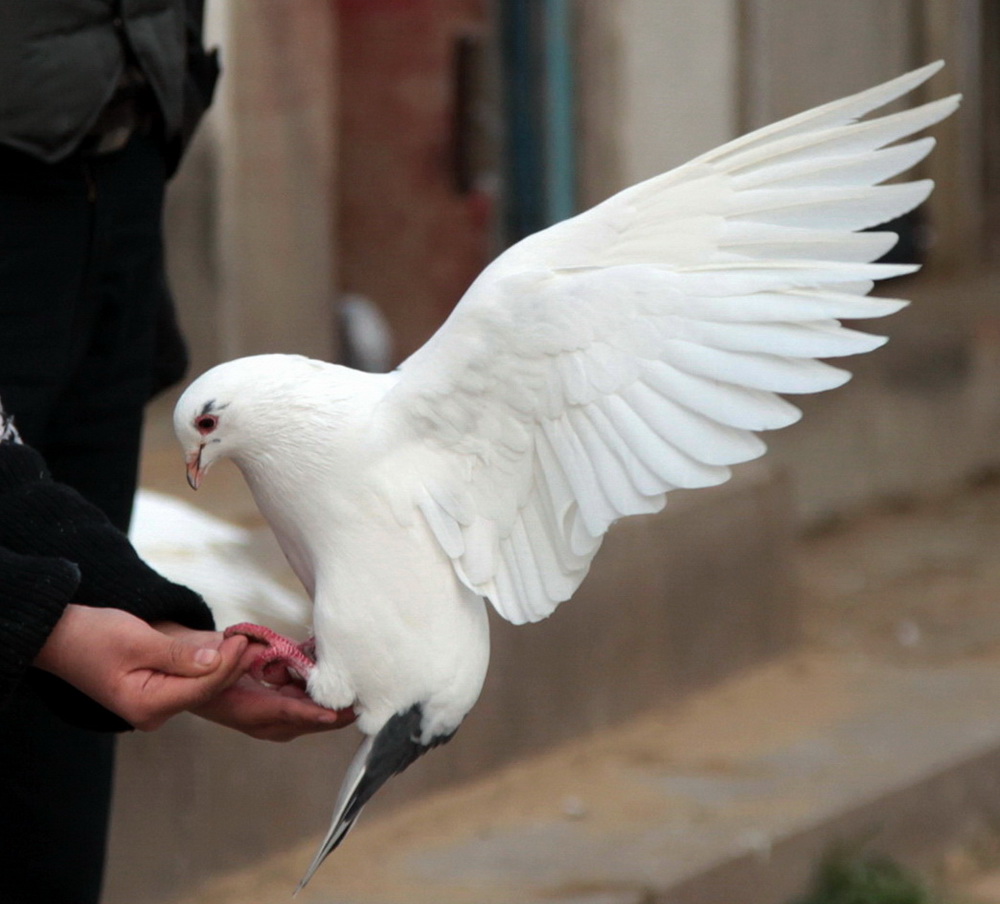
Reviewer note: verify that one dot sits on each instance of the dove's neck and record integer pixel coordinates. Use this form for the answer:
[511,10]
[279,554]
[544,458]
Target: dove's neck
[292,524]
[307,475]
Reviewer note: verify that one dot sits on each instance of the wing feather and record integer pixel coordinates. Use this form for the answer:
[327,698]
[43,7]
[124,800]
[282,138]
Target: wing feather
[758,371]
[638,347]
[832,114]
[823,339]
[843,208]
[859,139]
[732,404]
[555,499]
[868,169]
[632,441]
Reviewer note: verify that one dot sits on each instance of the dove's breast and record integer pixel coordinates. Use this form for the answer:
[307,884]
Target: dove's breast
[395,626]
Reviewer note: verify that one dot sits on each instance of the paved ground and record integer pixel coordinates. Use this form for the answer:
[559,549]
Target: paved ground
[917,584]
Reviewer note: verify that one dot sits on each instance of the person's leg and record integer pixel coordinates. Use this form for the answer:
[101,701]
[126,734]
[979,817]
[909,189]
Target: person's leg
[46,236]
[55,794]
[55,779]
[94,430]
[80,281]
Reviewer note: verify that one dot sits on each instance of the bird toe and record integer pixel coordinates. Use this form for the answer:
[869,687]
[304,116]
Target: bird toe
[282,660]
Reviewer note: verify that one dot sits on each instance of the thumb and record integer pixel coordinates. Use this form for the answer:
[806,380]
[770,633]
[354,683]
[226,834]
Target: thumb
[186,659]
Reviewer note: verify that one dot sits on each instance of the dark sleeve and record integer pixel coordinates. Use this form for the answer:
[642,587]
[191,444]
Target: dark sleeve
[41,518]
[34,591]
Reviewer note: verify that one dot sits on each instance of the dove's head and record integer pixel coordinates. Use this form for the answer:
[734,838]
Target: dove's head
[252,409]
[228,412]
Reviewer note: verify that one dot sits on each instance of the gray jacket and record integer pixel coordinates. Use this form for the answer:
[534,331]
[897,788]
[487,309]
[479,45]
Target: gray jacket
[60,61]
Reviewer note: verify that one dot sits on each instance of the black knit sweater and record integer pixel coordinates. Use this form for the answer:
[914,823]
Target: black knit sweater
[55,549]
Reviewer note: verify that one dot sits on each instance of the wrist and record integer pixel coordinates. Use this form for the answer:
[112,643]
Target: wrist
[52,657]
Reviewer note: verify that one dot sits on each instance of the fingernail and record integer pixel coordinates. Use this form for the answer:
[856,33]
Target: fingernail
[329,718]
[206,656]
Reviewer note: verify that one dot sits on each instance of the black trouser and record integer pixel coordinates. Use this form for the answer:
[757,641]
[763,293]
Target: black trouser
[81,289]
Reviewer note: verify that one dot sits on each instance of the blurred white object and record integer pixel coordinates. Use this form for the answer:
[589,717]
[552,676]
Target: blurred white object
[574,807]
[908,633]
[365,339]
[215,558]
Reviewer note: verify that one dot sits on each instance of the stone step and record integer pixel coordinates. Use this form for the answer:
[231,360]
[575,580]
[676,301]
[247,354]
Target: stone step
[733,794]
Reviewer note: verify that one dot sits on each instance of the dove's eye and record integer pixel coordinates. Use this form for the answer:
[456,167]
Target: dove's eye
[206,423]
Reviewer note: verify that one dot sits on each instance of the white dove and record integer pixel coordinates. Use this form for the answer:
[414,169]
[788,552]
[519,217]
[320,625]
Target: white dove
[589,370]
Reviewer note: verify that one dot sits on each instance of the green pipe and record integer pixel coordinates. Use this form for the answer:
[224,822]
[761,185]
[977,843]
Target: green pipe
[559,97]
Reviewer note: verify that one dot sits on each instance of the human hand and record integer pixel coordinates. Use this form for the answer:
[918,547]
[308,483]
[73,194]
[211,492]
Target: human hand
[271,713]
[275,713]
[142,674]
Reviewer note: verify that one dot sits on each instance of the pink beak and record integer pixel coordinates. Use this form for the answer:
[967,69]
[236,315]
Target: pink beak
[194,469]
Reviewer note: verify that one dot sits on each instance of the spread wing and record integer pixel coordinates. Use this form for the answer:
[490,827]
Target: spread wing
[640,346]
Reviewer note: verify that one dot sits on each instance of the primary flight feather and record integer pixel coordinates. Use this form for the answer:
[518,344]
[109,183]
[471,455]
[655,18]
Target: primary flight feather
[590,369]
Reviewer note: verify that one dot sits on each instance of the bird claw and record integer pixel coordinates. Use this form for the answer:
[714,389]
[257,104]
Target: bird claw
[282,661]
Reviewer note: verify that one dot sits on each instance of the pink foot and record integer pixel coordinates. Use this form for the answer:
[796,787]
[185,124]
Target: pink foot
[282,660]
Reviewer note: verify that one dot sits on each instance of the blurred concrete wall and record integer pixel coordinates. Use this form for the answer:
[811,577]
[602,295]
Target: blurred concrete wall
[251,216]
[657,85]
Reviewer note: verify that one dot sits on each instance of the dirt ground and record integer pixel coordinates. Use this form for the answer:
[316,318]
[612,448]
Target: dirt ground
[918,582]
